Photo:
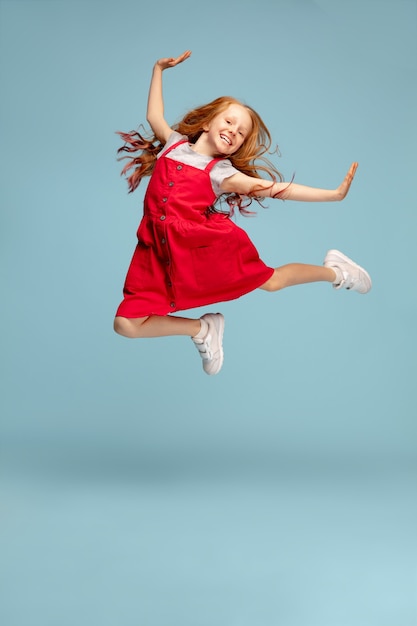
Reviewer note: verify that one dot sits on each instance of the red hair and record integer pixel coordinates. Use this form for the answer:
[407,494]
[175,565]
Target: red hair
[250,159]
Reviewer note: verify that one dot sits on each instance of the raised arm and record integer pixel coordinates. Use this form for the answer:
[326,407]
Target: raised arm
[246,185]
[155,111]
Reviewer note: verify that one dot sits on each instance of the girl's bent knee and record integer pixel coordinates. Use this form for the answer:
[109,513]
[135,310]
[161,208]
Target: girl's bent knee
[122,326]
[128,327]
[274,283]
[118,325]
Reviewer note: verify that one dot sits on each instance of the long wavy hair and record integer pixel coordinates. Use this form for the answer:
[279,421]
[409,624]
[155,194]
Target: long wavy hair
[250,159]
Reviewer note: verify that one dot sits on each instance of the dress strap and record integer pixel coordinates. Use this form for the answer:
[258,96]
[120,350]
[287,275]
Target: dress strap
[212,163]
[175,145]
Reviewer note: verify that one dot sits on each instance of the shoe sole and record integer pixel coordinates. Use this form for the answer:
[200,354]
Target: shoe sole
[339,256]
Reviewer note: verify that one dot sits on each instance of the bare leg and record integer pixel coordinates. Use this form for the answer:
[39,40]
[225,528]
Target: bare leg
[298,274]
[156,326]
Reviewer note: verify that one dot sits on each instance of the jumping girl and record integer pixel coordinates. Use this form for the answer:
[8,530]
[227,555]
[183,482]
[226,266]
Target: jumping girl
[191,254]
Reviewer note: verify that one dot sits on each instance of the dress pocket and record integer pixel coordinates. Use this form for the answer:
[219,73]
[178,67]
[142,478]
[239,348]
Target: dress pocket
[215,265]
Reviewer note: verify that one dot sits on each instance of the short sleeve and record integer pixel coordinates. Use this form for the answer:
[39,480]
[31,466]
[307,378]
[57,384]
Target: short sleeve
[222,170]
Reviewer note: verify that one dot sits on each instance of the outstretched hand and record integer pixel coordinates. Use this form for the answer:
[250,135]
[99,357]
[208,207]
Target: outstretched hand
[172,62]
[343,189]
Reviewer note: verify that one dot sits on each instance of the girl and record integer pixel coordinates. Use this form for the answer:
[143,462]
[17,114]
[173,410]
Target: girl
[190,254]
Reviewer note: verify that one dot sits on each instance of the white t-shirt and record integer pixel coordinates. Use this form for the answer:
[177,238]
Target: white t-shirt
[185,154]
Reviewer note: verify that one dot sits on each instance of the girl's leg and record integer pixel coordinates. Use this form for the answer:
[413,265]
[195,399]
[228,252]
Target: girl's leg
[337,268]
[156,326]
[206,333]
[298,274]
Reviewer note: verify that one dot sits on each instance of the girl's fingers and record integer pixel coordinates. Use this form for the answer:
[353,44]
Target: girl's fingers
[182,57]
[351,173]
[173,61]
[345,186]
[353,169]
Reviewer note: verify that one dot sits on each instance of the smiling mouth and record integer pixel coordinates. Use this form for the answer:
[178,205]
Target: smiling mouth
[226,140]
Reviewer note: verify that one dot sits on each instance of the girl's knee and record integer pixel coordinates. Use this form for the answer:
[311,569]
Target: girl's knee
[274,283]
[119,325]
[123,326]
[129,327]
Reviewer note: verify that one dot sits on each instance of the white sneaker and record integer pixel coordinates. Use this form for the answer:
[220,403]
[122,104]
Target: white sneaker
[350,275]
[210,348]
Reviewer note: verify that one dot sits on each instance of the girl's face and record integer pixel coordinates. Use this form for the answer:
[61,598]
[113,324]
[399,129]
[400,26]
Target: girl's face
[228,130]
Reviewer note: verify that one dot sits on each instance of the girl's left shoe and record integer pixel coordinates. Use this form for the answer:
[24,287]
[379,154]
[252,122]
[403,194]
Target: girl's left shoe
[211,347]
[352,275]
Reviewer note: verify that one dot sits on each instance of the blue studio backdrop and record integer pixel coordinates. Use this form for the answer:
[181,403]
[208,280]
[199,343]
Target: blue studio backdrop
[134,488]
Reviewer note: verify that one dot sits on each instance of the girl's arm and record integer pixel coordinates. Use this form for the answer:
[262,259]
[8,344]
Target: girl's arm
[249,186]
[155,111]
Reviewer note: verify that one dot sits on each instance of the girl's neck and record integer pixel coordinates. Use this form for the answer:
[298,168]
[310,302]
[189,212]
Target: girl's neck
[202,146]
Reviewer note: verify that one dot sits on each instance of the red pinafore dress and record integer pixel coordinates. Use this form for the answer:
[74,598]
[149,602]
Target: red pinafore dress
[187,256]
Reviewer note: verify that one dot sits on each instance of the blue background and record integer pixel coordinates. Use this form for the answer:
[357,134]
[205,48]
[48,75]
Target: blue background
[134,488]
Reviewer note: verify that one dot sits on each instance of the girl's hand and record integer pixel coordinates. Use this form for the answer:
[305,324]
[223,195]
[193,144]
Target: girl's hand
[343,189]
[172,62]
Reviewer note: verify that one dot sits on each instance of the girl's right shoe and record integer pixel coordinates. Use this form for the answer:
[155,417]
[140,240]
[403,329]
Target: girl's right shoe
[211,347]
[352,275]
